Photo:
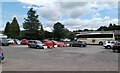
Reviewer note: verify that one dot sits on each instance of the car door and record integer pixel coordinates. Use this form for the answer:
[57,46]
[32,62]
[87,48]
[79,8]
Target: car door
[32,44]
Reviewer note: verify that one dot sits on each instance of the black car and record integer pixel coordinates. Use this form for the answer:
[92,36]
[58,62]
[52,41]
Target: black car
[78,44]
[116,47]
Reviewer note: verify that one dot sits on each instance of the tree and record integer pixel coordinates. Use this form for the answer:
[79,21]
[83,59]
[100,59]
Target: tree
[49,34]
[32,26]
[86,30]
[14,29]
[71,35]
[58,30]
[110,27]
[6,31]
[102,28]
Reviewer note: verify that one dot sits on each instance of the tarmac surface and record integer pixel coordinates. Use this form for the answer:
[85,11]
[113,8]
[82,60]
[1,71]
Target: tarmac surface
[90,58]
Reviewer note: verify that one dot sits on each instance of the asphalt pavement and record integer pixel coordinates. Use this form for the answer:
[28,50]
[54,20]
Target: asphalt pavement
[90,58]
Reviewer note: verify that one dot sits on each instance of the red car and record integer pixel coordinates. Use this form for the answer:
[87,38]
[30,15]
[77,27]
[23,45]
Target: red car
[49,44]
[24,42]
[59,44]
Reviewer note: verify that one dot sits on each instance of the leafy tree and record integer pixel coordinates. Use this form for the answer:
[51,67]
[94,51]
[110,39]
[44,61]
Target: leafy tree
[41,33]
[86,30]
[71,35]
[14,29]
[110,27]
[32,26]
[58,30]
[6,31]
[104,28]
[49,34]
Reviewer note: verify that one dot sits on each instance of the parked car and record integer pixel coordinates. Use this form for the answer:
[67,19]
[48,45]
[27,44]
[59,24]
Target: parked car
[11,41]
[1,54]
[17,41]
[4,42]
[109,44]
[24,42]
[78,44]
[116,47]
[49,44]
[36,44]
[65,40]
[59,44]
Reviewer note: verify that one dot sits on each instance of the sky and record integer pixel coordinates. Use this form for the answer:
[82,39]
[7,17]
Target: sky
[75,15]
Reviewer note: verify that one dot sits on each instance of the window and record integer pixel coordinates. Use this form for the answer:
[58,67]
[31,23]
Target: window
[95,36]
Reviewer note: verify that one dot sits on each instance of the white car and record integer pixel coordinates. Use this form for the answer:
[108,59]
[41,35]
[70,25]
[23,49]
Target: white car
[10,41]
[109,44]
[17,41]
[36,44]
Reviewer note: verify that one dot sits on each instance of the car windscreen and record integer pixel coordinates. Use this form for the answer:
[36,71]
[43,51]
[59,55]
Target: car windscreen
[39,42]
[118,43]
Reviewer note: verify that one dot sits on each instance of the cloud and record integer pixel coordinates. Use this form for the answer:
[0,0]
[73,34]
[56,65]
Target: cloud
[30,6]
[94,23]
[50,13]
[54,10]
[96,15]
[48,29]
[77,12]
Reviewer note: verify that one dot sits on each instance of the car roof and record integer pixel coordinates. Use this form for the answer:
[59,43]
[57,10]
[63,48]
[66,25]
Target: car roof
[35,40]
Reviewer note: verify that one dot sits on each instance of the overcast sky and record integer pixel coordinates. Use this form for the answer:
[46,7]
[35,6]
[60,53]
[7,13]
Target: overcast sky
[73,14]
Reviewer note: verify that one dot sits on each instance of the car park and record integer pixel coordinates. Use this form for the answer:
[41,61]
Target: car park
[109,44]
[116,47]
[36,44]
[1,54]
[78,44]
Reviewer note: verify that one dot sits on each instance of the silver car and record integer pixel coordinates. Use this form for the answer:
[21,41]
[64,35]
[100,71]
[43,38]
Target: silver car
[36,44]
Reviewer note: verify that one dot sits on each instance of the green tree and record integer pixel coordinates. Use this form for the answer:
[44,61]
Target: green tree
[86,30]
[110,26]
[32,26]
[71,35]
[104,28]
[6,30]
[14,29]
[49,34]
[58,30]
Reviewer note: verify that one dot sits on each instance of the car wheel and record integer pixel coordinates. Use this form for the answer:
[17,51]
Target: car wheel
[29,46]
[118,51]
[81,46]
[37,47]
[100,43]
[71,45]
[2,58]
[108,47]
[113,50]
